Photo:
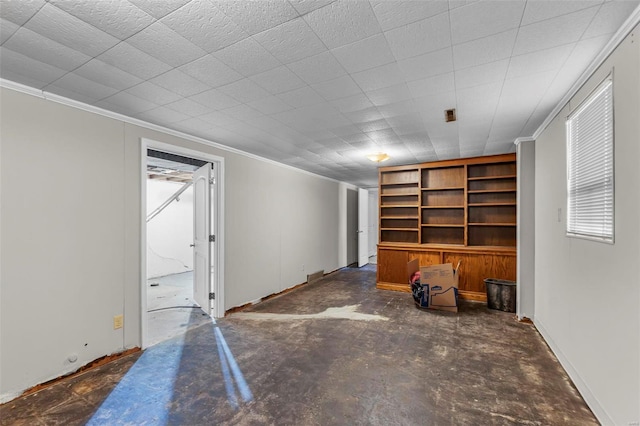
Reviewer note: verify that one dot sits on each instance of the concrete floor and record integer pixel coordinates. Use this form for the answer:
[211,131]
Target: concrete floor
[312,360]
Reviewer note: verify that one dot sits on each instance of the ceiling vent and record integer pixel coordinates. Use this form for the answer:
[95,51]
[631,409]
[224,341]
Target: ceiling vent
[450,115]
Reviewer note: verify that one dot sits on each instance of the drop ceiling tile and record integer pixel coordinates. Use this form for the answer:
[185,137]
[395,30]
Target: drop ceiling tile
[121,19]
[406,124]
[379,77]
[103,73]
[482,74]
[484,50]
[393,14]
[134,61]
[364,54]
[318,68]
[178,82]
[305,6]
[22,69]
[278,80]
[427,65]
[270,105]
[536,62]
[348,132]
[372,126]
[162,116]
[244,91]
[485,18]
[258,16]
[343,22]
[20,11]
[7,29]
[340,87]
[125,103]
[163,43]
[243,112]
[206,26]
[298,98]
[153,93]
[352,103]
[215,99]
[69,94]
[76,83]
[420,37]
[432,85]
[609,18]
[159,9]
[537,11]
[478,103]
[46,50]
[398,109]
[364,115]
[553,32]
[291,41]
[247,57]
[211,71]
[389,95]
[59,26]
[188,107]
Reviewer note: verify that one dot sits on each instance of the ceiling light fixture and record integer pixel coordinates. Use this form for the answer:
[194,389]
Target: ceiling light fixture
[378,157]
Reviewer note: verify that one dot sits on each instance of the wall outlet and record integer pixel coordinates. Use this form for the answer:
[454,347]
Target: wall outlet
[303,267]
[118,322]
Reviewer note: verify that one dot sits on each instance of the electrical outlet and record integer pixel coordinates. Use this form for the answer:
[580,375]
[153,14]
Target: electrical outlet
[118,322]
[303,267]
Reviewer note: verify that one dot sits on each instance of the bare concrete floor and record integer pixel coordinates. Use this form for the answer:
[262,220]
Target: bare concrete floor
[312,360]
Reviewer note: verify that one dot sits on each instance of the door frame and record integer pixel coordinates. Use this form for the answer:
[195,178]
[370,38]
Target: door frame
[218,214]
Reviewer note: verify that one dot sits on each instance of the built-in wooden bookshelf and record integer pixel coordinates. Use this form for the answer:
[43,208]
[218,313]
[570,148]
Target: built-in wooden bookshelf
[465,206]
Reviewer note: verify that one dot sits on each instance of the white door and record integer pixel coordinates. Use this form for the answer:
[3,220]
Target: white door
[202,236]
[363,227]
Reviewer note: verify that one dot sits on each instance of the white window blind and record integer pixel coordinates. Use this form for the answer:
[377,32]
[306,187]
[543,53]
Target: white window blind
[590,208]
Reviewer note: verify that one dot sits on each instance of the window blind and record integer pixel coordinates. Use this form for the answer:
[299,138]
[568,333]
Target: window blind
[590,207]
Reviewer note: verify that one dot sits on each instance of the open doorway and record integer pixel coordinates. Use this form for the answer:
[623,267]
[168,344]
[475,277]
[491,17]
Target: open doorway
[181,241]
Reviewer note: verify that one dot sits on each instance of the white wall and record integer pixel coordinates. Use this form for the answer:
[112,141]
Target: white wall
[171,231]
[352,226]
[526,152]
[373,221]
[70,225]
[587,298]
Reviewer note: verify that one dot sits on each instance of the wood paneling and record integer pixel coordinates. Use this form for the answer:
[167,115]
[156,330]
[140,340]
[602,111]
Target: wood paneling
[449,198]
[443,177]
[426,258]
[392,266]
[476,267]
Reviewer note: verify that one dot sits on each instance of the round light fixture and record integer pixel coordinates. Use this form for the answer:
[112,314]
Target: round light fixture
[378,157]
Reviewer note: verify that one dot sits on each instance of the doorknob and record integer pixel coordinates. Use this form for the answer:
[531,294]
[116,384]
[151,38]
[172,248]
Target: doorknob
[192,245]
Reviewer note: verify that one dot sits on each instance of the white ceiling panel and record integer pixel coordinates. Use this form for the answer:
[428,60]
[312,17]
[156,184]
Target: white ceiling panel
[119,18]
[420,37]
[394,14]
[159,9]
[163,43]
[318,68]
[484,50]
[211,71]
[25,70]
[7,29]
[258,16]
[134,61]
[485,18]
[427,65]
[247,57]
[553,32]
[343,22]
[364,54]
[244,90]
[206,26]
[20,11]
[316,83]
[278,80]
[46,50]
[537,11]
[59,26]
[178,82]
[482,74]
[291,41]
[379,77]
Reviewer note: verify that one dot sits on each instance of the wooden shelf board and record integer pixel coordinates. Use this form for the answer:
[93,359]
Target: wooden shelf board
[492,224]
[399,229]
[408,194]
[492,177]
[448,188]
[442,207]
[400,184]
[442,225]
[400,217]
[398,205]
[491,204]
[488,191]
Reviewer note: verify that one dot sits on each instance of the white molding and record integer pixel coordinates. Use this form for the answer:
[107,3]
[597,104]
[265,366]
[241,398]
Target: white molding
[8,84]
[520,140]
[593,403]
[618,37]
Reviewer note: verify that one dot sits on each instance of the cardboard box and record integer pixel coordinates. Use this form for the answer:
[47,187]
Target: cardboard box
[439,285]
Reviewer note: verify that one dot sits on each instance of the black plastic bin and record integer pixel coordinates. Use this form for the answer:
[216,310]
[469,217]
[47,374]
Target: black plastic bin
[501,294]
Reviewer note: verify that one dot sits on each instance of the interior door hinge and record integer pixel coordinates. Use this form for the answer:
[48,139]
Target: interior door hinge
[212,181]
[212,238]
[212,296]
